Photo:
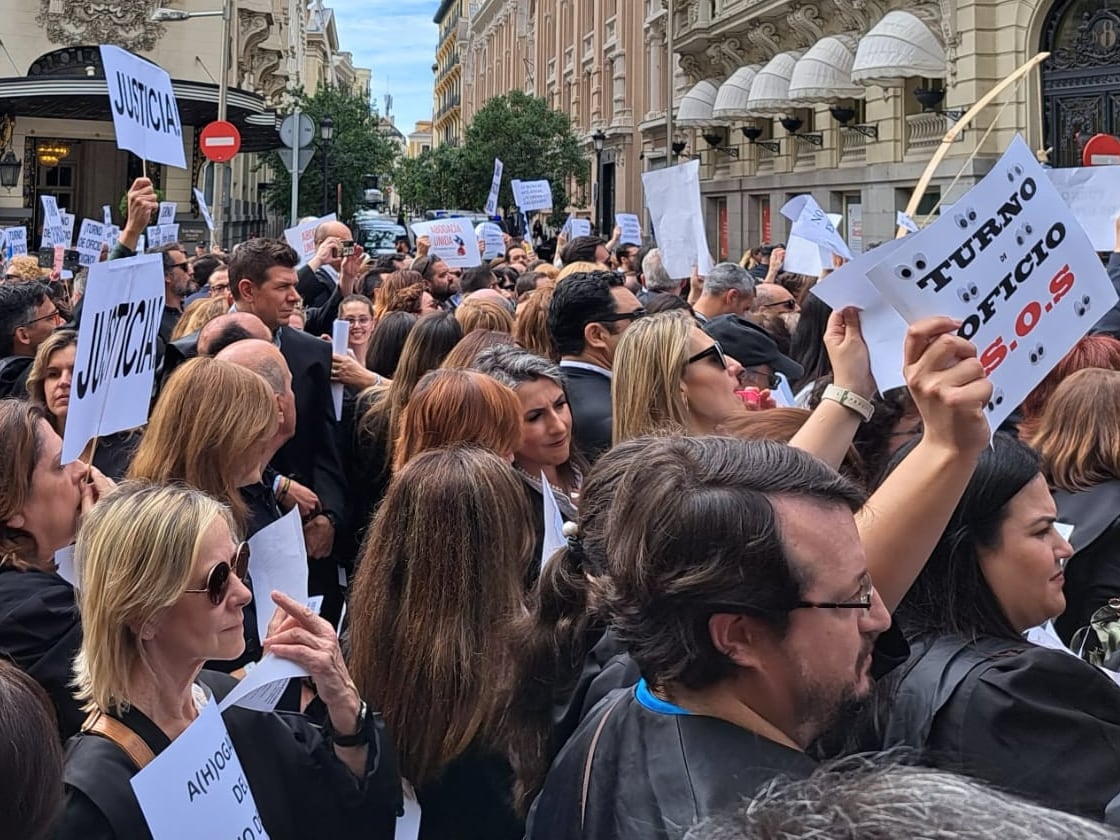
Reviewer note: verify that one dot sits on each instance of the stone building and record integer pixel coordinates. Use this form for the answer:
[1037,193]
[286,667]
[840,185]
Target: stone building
[447,119]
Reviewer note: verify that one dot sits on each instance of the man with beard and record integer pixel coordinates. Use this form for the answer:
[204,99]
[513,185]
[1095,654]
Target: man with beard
[740,588]
[440,280]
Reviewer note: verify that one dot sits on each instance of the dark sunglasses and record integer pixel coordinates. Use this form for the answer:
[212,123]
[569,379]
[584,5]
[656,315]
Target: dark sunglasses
[183,265]
[789,304]
[714,352]
[217,582]
[622,316]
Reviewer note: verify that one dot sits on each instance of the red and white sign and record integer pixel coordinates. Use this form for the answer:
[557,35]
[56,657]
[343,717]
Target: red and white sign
[220,141]
[1101,150]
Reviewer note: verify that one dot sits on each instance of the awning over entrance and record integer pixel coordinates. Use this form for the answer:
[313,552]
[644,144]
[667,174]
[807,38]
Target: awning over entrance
[731,100]
[77,98]
[824,73]
[770,89]
[696,105]
[900,46]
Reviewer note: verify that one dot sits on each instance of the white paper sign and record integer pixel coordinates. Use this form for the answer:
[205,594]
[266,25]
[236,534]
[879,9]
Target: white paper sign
[168,234]
[1092,193]
[145,114]
[52,221]
[302,237]
[340,341]
[812,223]
[494,244]
[67,228]
[408,824]
[166,213]
[452,240]
[532,195]
[201,198]
[631,228]
[495,186]
[554,538]
[805,257]
[578,227]
[673,199]
[91,236]
[264,684]
[17,240]
[277,562]
[106,215]
[155,236]
[64,565]
[197,787]
[905,222]
[116,358]
[1014,266]
[112,234]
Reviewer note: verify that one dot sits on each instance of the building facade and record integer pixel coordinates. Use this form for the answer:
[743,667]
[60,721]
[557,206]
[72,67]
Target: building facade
[846,99]
[447,120]
[419,139]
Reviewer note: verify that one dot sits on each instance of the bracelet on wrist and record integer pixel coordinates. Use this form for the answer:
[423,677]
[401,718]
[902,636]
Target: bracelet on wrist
[850,400]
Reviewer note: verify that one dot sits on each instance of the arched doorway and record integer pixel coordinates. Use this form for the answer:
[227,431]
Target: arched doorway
[1081,79]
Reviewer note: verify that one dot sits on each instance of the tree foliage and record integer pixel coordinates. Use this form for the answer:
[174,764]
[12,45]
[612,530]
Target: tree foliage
[357,148]
[533,142]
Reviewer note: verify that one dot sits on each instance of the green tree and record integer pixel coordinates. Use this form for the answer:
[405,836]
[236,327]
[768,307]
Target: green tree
[357,148]
[437,179]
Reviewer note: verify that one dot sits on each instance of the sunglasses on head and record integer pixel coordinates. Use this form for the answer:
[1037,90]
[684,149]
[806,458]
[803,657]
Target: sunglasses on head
[217,582]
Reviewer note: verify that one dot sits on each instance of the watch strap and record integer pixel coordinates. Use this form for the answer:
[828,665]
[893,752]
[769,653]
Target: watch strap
[850,400]
[361,730]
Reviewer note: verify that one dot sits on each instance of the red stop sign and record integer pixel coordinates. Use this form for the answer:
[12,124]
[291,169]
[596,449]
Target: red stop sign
[1101,150]
[220,141]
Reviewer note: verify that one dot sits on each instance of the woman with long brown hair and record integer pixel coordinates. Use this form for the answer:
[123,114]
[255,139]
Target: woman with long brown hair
[439,581]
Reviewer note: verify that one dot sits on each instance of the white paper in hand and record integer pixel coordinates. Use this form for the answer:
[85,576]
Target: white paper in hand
[408,824]
[340,342]
[264,684]
[554,538]
[278,561]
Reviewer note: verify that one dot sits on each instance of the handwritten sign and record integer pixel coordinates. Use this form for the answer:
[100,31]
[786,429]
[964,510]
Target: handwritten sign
[17,241]
[1014,266]
[495,185]
[302,237]
[532,195]
[67,228]
[812,223]
[493,243]
[1091,193]
[631,228]
[201,198]
[197,787]
[145,114]
[452,240]
[673,198]
[53,231]
[116,358]
[91,236]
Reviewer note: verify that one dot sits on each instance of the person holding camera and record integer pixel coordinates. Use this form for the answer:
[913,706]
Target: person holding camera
[319,277]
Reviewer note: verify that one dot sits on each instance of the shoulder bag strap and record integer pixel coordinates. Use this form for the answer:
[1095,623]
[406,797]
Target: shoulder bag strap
[591,758]
[131,743]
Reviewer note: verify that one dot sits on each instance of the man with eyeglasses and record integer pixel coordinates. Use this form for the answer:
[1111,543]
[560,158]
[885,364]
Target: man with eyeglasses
[741,590]
[28,315]
[755,350]
[178,284]
[587,316]
[772,299]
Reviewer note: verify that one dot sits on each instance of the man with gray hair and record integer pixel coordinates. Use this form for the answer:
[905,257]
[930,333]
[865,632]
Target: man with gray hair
[728,290]
[656,277]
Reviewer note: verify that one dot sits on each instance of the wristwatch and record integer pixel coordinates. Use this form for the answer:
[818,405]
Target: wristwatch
[360,737]
[850,400]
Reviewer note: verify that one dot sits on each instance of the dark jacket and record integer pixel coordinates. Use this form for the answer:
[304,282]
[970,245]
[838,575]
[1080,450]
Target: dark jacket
[589,397]
[1093,572]
[471,800]
[655,772]
[314,286]
[13,376]
[300,787]
[1037,722]
[41,631]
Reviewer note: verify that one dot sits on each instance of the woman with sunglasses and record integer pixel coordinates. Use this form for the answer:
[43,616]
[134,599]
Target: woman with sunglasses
[41,501]
[150,627]
[975,695]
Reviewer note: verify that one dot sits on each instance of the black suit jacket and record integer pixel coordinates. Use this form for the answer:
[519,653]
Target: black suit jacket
[311,456]
[314,286]
[589,395]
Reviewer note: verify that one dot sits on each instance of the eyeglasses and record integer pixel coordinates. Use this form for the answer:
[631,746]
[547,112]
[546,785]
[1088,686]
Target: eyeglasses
[50,316]
[217,582]
[773,381]
[862,602]
[622,316]
[219,288]
[359,321]
[789,304]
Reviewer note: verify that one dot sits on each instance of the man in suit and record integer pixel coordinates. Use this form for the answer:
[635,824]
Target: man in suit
[263,279]
[319,277]
[587,316]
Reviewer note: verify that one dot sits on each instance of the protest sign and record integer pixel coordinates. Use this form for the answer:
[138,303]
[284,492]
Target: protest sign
[59,258]
[17,241]
[340,341]
[495,186]
[145,114]
[812,223]
[673,198]
[155,236]
[554,538]
[106,215]
[452,240]
[196,787]
[168,234]
[141,244]
[166,213]
[277,562]
[116,357]
[302,237]
[905,222]
[574,227]
[67,228]
[201,198]
[631,228]
[264,684]
[1014,266]
[112,234]
[1091,194]
[91,236]
[52,222]
[532,195]
[493,243]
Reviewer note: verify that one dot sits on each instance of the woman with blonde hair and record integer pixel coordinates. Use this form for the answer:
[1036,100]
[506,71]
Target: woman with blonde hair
[439,582]
[41,501]
[530,328]
[148,629]
[479,313]
[1079,441]
[486,413]
[198,314]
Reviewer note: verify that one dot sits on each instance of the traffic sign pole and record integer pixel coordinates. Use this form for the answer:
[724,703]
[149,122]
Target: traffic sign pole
[295,179]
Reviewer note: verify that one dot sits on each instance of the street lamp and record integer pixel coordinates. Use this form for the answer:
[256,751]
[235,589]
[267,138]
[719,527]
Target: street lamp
[326,129]
[226,12]
[10,167]
[597,140]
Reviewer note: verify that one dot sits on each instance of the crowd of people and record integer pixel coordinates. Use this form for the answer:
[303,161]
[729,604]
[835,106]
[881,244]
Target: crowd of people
[780,603]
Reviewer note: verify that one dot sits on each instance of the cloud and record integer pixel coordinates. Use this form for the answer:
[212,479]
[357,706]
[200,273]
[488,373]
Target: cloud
[396,39]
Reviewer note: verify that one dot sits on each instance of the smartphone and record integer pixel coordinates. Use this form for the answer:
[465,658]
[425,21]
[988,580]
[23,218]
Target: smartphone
[348,247]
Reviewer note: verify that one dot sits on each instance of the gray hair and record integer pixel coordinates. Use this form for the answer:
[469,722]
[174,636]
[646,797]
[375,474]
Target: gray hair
[726,276]
[656,277]
[866,799]
[78,284]
[513,367]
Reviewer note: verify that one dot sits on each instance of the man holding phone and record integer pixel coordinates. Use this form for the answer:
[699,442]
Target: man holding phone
[319,277]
